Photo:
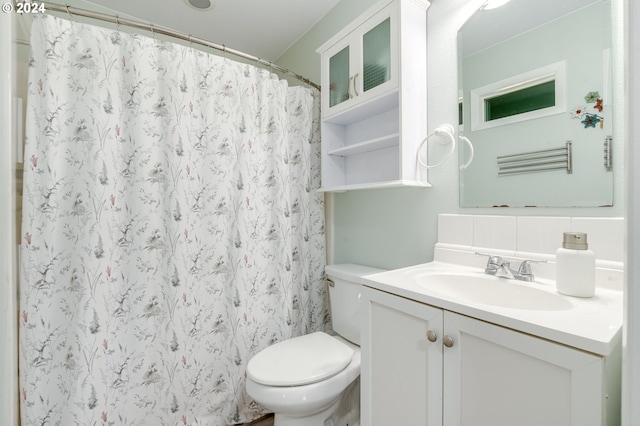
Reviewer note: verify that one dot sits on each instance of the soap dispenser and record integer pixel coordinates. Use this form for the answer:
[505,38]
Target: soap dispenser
[575,266]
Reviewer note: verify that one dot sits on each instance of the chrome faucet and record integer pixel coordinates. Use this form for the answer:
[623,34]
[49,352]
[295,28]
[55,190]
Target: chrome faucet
[501,268]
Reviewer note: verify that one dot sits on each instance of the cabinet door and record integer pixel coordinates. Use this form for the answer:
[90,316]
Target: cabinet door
[363,65]
[499,377]
[401,373]
[340,77]
[378,60]
[339,67]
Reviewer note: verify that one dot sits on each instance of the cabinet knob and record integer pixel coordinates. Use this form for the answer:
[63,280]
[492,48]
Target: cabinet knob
[432,336]
[447,341]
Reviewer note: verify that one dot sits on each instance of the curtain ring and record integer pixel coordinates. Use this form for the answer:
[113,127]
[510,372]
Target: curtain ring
[69,12]
[117,23]
[273,72]
[190,41]
[153,31]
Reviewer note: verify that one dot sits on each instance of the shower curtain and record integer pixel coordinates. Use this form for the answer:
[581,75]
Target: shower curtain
[171,229]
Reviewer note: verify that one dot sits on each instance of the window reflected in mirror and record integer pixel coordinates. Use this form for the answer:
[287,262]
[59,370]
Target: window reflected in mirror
[523,76]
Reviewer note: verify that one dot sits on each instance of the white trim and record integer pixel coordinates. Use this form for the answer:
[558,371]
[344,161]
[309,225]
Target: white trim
[554,72]
[18,125]
[8,291]
[606,76]
[631,335]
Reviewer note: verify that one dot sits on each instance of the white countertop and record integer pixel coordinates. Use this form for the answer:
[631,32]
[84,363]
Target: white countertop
[590,324]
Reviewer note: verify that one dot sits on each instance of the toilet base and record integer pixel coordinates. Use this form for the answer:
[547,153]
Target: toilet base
[345,411]
[317,419]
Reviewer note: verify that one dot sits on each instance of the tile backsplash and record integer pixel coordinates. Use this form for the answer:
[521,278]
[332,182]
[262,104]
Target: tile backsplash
[524,236]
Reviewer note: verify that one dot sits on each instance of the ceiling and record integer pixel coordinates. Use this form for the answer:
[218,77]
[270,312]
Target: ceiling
[263,28]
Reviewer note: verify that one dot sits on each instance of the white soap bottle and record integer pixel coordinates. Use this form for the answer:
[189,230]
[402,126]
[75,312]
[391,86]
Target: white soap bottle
[575,266]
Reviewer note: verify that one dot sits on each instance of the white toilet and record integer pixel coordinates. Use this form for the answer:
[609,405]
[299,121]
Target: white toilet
[313,380]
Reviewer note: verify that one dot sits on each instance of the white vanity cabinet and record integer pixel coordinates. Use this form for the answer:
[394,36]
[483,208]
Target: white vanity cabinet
[374,98]
[401,370]
[422,365]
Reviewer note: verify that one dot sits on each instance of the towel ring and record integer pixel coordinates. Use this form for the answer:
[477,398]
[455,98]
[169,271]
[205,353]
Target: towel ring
[444,129]
[471,152]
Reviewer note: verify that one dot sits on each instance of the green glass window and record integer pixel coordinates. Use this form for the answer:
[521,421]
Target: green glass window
[520,101]
[376,55]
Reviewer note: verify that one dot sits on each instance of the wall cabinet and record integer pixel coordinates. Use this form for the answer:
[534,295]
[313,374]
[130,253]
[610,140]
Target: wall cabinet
[422,365]
[363,64]
[374,99]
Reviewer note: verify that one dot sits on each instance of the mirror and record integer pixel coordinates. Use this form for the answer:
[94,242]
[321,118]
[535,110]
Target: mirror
[535,101]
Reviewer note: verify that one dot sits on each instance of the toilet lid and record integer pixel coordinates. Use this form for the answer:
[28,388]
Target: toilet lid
[300,361]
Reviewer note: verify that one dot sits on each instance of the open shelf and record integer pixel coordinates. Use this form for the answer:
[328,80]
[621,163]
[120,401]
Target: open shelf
[367,146]
[377,185]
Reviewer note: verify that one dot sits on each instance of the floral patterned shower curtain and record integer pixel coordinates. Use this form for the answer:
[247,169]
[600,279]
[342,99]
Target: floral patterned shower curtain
[172,229]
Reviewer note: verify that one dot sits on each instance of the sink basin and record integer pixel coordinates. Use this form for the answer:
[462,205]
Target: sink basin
[489,290]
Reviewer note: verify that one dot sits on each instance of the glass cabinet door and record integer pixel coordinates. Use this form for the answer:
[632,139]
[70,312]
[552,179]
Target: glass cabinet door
[339,77]
[376,55]
[362,64]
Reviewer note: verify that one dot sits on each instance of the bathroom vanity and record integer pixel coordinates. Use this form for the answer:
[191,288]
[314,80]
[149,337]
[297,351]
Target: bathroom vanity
[445,344]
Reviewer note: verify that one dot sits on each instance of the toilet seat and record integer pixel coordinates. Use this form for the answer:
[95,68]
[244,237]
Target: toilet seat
[300,361]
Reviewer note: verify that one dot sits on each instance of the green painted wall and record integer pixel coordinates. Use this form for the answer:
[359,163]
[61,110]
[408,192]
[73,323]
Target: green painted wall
[397,227]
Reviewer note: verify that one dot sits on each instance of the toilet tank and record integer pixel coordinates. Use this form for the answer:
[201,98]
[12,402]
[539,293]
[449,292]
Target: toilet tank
[345,281]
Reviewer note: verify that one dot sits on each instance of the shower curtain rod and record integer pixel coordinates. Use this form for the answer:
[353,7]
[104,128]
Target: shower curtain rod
[115,19]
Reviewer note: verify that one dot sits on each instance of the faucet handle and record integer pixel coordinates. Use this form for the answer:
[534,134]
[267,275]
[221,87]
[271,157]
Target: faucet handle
[494,263]
[525,267]
[493,259]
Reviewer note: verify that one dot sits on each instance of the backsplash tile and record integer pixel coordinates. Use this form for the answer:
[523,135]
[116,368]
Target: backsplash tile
[540,234]
[605,236]
[498,232]
[526,235]
[455,229]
